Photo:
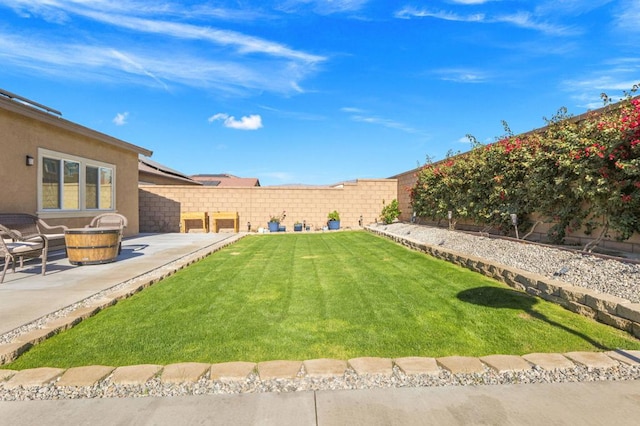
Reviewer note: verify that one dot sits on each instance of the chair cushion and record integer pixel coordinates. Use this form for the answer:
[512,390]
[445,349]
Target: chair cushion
[24,247]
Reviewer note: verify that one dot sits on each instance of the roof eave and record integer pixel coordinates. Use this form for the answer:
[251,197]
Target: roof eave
[61,123]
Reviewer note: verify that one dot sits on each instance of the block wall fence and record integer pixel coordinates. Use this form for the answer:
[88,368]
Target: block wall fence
[408,179]
[160,205]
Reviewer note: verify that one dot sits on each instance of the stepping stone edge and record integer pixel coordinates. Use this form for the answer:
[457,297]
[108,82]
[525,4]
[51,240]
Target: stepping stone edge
[190,373]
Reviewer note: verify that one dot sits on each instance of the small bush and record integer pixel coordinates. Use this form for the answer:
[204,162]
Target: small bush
[390,212]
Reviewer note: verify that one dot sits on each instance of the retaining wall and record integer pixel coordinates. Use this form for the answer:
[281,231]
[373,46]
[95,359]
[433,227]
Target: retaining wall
[611,310]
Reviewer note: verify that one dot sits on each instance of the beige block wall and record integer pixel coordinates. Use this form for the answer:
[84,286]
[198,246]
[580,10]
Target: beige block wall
[23,135]
[161,205]
[408,179]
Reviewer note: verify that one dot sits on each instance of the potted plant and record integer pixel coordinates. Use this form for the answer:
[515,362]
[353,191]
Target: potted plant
[334,220]
[297,227]
[274,222]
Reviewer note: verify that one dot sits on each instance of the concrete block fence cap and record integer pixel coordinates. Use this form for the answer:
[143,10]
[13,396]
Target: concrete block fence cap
[84,376]
[33,377]
[135,374]
[372,365]
[239,370]
[417,365]
[625,357]
[549,361]
[506,363]
[325,367]
[268,370]
[461,364]
[591,359]
[184,372]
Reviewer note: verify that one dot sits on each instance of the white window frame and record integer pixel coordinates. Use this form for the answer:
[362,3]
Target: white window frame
[84,162]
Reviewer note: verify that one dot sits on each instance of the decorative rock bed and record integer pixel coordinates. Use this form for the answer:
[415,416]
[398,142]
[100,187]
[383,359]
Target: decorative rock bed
[314,375]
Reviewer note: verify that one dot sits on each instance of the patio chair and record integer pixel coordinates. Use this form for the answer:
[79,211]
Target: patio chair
[110,220]
[13,245]
[27,226]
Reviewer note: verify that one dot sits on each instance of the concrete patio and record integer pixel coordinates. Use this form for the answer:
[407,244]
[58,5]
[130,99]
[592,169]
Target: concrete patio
[27,296]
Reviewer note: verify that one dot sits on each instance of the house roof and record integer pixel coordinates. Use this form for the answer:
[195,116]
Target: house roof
[147,165]
[25,107]
[225,180]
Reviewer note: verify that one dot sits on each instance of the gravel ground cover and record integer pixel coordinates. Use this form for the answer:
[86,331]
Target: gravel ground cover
[604,275]
[349,381]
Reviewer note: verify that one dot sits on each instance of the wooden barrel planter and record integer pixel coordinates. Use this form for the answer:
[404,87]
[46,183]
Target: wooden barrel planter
[92,246]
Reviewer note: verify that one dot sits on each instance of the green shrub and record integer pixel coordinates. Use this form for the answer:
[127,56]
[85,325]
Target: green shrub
[390,212]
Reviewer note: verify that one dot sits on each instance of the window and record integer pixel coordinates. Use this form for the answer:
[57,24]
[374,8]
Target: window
[98,188]
[69,183]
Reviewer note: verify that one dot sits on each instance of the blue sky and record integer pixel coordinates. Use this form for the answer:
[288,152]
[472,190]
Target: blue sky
[315,91]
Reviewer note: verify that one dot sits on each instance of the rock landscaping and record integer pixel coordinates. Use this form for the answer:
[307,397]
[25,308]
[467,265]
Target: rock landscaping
[313,375]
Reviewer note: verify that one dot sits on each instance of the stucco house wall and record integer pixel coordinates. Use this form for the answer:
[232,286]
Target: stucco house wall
[28,131]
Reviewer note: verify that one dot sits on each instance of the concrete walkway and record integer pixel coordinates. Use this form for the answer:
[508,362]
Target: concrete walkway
[600,403]
[27,295]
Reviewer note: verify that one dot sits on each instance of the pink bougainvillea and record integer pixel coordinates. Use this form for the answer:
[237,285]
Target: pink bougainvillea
[581,173]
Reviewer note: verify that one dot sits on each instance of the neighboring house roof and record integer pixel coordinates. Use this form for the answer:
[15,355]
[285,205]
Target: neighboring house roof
[225,180]
[150,167]
[31,109]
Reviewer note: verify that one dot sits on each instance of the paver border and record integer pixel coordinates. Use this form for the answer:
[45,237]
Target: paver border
[275,371]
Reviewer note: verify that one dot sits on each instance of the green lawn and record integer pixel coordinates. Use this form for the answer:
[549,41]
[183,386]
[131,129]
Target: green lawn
[304,296]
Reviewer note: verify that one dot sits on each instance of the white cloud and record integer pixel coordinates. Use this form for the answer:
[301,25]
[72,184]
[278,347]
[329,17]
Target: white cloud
[460,75]
[60,10]
[529,21]
[615,77]
[121,118]
[323,7]
[137,68]
[569,7]
[352,110]
[412,12]
[628,16]
[363,116]
[196,55]
[293,114]
[519,19]
[243,43]
[151,67]
[250,122]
